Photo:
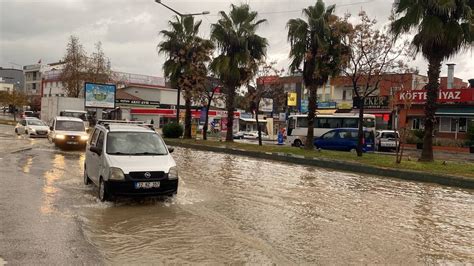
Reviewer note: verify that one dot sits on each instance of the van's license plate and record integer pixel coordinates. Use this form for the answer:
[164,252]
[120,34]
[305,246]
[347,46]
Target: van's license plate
[139,185]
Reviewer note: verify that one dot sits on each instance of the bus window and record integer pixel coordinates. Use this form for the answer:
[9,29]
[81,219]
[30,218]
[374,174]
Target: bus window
[350,123]
[322,123]
[302,122]
[292,123]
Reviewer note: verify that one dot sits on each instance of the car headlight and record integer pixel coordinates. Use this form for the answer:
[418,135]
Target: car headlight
[60,136]
[173,173]
[116,174]
[30,129]
[84,137]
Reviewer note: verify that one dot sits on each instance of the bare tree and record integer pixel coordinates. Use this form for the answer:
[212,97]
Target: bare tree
[98,66]
[75,64]
[14,99]
[374,54]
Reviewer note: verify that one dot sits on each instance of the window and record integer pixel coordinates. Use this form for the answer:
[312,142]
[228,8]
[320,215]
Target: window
[136,143]
[462,124]
[329,123]
[348,134]
[100,141]
[329,135]
[350,122]
[70,126]
[445,124]
[347,95]
[93,139]
[302,122]
[417,123]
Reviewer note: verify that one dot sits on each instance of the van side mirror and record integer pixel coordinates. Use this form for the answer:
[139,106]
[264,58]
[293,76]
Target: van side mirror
[96,150]
[170,149]
[51,128]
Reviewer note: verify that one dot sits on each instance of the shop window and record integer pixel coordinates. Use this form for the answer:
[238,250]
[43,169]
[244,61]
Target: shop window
[417,123]
[462,124]
[445,124]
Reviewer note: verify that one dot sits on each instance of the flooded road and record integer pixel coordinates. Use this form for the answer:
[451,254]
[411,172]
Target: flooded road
[232,209]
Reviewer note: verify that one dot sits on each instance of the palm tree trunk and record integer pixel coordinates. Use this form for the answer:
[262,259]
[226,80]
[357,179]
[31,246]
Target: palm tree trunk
[230,114]
[434,68]
[360,135]
[187,119]
[311,115]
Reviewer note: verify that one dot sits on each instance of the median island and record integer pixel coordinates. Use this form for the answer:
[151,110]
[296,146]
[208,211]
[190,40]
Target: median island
[453,173]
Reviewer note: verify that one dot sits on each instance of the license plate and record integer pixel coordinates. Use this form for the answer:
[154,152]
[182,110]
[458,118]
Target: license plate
[72,142]
[139,185]
[388,144]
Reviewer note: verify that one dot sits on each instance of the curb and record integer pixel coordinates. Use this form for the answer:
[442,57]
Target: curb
[454,181]
[21,150]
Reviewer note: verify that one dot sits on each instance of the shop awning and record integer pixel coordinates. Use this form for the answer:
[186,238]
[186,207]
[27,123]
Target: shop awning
[253,120]
[455,111]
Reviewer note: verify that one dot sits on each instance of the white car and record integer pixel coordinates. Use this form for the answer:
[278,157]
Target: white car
[254,135]
[387,140]
[129,160]
[67,132]
[33,127]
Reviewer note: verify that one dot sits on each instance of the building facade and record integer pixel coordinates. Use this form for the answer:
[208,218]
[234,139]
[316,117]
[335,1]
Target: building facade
[12,76]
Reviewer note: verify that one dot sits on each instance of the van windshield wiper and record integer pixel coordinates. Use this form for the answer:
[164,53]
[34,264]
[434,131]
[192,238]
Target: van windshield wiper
[148,153]
[120,153]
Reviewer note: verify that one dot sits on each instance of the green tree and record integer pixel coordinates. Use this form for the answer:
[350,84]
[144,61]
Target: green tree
[240,48]
[186,63]
[442,28]
[317,45]
[75,65]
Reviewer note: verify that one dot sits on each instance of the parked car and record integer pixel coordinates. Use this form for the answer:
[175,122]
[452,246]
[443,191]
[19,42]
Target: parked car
[387,140]
[129,160]
[344,139]
[32,126]
[239,135]
[254,135]
[68,131]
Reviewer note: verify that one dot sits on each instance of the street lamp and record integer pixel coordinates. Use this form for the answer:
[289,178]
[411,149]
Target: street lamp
[182,16]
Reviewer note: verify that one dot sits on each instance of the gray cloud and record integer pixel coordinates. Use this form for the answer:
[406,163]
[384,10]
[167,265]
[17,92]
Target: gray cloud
[34,29]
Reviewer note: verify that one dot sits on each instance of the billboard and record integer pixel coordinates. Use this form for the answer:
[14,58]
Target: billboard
[99,95]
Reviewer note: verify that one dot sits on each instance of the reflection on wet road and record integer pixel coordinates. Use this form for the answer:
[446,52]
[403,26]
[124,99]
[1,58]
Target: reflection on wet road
[241,210]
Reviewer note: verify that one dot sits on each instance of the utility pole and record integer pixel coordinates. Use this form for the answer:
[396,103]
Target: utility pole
[182,16]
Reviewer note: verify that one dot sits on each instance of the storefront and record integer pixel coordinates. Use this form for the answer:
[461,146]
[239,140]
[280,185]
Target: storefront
[454,115]
[378,106]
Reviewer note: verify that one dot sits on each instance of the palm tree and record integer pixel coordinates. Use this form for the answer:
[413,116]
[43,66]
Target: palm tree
[240,50]
[442,28]
[316,43]
[187,53]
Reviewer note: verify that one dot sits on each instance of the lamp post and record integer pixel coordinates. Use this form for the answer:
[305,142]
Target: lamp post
[182,16]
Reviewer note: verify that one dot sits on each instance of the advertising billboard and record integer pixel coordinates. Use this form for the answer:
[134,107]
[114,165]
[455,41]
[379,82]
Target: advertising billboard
[99,95]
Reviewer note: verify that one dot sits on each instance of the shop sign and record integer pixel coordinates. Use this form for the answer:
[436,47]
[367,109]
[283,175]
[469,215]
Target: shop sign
[292,99]
[327,105]
[372,102]
[136,102]
[444,96]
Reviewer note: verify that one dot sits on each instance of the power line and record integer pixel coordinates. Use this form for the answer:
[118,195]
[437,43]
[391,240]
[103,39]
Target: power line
[299,10]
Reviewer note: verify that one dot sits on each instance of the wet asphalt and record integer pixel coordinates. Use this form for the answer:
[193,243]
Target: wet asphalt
[229,209]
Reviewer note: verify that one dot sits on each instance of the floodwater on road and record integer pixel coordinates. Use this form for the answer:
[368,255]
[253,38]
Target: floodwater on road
[232,209]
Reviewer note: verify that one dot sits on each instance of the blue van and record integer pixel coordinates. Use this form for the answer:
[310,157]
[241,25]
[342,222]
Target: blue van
[344,139]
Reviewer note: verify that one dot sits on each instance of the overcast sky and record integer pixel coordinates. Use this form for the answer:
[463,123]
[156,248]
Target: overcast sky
[128,29]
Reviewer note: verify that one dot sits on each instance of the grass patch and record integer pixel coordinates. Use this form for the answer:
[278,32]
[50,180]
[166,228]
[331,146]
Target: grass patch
[463,169]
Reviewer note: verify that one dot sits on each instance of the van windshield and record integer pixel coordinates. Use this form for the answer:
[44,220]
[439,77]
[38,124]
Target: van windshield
[135,143]
[80,115]
[70,126]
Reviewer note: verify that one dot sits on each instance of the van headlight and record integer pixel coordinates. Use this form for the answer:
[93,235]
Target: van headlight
[173,173]
[84,137]
[116,174]
[60,136]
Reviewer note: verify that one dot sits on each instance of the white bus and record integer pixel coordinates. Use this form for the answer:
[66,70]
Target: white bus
[298,125]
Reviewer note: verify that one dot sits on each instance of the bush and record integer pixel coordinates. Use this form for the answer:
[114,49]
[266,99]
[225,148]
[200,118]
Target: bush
[172,130]
[470,135]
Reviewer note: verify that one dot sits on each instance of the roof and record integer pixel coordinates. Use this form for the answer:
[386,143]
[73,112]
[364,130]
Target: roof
[126,96]
[67,118]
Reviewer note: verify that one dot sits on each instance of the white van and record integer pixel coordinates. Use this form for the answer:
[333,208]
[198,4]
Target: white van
[68,131]
[129,160]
